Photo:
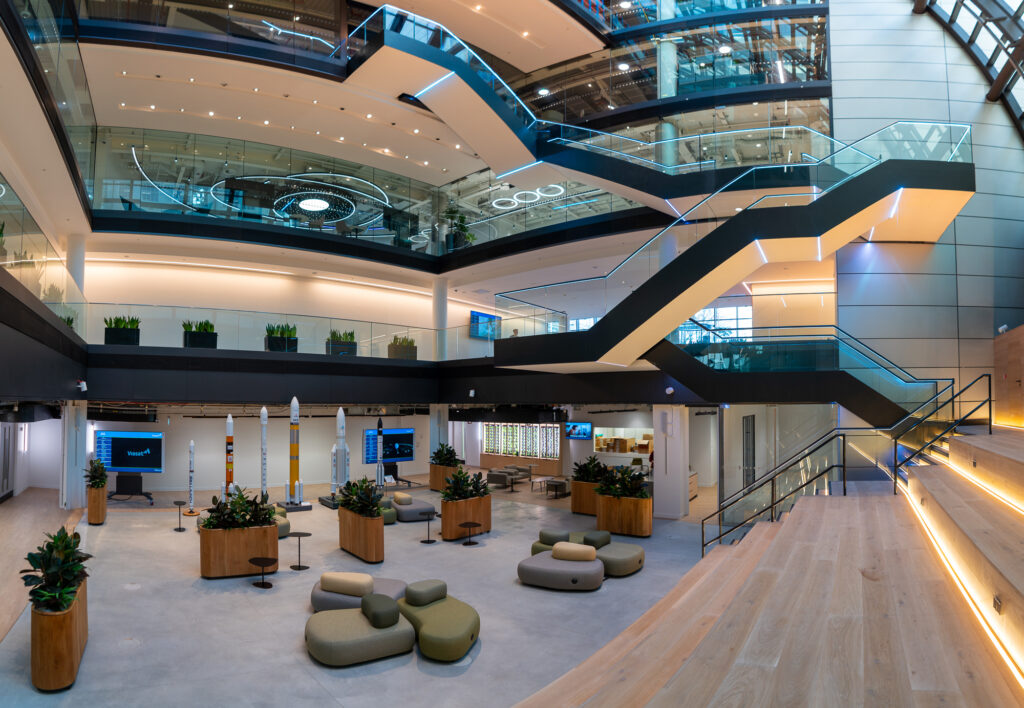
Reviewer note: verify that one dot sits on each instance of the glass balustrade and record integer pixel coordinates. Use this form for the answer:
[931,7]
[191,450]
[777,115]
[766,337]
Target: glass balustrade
[632,13]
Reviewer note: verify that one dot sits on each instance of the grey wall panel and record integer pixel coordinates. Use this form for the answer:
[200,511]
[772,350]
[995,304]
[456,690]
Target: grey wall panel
[897,289]
[914,353]
[990,231]
[985,260]
[977,322]
[898,322]
[989,291]
[867,257]
[976,353]
[865,69]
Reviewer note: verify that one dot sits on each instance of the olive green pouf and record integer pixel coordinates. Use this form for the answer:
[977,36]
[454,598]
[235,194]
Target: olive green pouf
[284,526]
[345,637]
[389,515]
[621,558]
[446,628]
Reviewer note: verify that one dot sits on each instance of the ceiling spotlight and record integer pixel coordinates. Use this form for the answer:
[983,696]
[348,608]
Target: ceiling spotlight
[211,114]
[315,101]
[368,116]
[416,131]
[387,150]
[426,162]
[406,157]
[623,67]
[238,117]
[364,144]
[255,90]
[152,107]
[526,34]
[124,73]
[725,49]
[266,122]
[478,8]
[181,110]
[625,4]
[758,145]
[458,146]
[293,127]
[191,80]
[296,18]
[122,104]
[543,92]
[318,132]
[342,138]
[231,6]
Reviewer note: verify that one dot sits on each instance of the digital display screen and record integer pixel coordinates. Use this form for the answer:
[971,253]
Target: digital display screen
[579,431]
[484,326]
[398,445]
[127,451]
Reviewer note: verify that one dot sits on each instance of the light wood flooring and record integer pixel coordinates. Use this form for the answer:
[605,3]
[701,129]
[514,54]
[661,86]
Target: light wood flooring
[844,603]
[24,521]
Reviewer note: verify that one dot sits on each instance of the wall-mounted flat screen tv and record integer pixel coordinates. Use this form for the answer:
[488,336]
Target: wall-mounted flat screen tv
[130,451]
[579,431]
[484,326]
[398,445]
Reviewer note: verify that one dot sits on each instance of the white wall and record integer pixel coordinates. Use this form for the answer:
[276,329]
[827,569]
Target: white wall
[41,466]
[316,436]
[704,445]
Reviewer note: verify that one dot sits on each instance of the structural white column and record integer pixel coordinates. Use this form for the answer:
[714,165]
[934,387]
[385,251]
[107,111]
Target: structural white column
[441,316]
[438,425]
[75,261]
[75,433]
[668,86]
[671,462]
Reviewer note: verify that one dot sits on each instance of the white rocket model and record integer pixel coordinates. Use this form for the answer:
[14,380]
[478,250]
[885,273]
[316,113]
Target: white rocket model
[380,453]
[342,461]
[294,483]
[334,470]
[344,477]
[191,474]
[263,450]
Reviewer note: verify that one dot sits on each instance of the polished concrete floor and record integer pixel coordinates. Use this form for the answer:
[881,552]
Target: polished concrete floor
[159,635]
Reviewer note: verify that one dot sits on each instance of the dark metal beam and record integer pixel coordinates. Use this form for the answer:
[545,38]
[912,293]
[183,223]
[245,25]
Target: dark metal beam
[1008,70]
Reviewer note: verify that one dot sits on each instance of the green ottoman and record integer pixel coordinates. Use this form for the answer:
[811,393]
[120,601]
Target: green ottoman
[345,637]
[389,515]
[621,558]
[284,526]
[446,628]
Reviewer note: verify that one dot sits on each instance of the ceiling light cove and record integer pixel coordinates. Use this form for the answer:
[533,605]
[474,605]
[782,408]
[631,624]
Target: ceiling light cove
[313,204]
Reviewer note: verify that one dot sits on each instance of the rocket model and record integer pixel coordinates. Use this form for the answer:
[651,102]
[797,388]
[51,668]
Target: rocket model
[229,456]
[191,474]
[334,470]
[293,454]
[380,452]
[263,450]
[344,477]
[340,445]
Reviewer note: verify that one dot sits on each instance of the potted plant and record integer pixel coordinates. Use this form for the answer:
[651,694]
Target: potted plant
[464,498]
[96,492]
[236,529]
[69,320]
[443,464]
[121,330]
[198,335]
[60,615]
[339,343]
[360,525]
[586,476]
[457,227]
[623,504]
[402,348]
[281,338]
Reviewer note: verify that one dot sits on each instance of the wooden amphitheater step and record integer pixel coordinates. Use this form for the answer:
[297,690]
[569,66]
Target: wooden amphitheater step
[636,662]
[996,460]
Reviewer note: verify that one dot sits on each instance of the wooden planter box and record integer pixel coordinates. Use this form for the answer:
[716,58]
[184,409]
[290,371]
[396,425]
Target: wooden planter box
[453,513]
[97,504]
[584,498]
[199,340]
[628,516]
[58,642]
[225,553]
[397,351]
[362,536]
[121,335]
[280,344]
[438,473]
[340,348]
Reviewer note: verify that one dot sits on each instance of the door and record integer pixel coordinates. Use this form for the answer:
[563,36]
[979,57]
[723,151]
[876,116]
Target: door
[748,450]
[6,459]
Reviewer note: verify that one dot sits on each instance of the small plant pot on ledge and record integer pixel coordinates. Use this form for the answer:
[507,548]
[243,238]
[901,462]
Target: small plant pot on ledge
[199,340]
[97,504]
[121,335]
[341,348]
[280,344]
[398,351]
[58,642]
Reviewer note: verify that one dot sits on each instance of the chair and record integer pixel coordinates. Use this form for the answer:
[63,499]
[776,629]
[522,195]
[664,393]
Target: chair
[446,628]
[567,566]
[374,630]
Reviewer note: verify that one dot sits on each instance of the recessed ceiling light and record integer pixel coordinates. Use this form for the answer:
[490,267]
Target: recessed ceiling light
[238,117]
[623,66]
[758,145]
[124,73]
[416,131]
[152,107]
[426,162]
[181,110]
[590,85]
[122,104]
[191,80]
[256,90]
[342,138]
[211,114]
[725,49]
[266,122]
[364,144]
[318,132]
[369,115]
[231,6]
[387,150]
[296,18]
[293,127]
[406,157]
[457,146]
[478,8]
[315,101]
[526,34]
[625,4]
[755,103]
[543,92]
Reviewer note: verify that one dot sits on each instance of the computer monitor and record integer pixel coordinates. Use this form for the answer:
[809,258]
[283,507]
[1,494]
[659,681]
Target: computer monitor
[130,451]
[398,445]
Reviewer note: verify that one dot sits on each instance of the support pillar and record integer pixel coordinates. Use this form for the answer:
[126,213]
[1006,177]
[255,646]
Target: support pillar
[438,425]
[667,152]
[671,473]
[74,433]
[75,262]
[440,302]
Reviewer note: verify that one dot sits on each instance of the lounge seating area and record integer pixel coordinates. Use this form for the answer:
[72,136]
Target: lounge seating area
[578,560]
[446,628]
[409,508]
[344,591]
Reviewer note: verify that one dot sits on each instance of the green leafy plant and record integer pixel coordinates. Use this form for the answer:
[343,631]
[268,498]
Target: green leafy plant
[282,330]
[590,470]
[237,511]
[199,326]
[463,486]
[69,320]
[347,336]
[361,497]
[120,322]
[623,482]
[96,474]
[444,455]
[56,571]
[457,223]
[403,341]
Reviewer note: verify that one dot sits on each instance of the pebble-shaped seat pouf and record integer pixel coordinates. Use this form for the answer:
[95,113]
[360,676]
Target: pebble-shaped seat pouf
[345,637]
[546,571]
[326,600]
[446,628]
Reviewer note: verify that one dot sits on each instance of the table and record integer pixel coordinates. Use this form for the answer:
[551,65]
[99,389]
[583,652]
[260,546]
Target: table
[263,563]
[470,525]
[179,504]
[512,483]
[542,481]
[299,535]
[428,515]
[556,486]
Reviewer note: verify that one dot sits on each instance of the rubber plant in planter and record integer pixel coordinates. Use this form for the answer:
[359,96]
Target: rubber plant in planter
[402,348]
[198,335]
[443,464]
[60,613]
[341,343]
[457,227]
[586,476]
[464,498]
[96,492]
[236,529]
[624,505]
[360,525]
[281,338]
[121,330]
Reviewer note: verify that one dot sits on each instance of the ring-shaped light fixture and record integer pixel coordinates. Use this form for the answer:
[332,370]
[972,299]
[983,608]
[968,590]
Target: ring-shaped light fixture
[313,204]
[419,238]
[3,190]
[528,196]
[521,197]
[504,203]
[559,190]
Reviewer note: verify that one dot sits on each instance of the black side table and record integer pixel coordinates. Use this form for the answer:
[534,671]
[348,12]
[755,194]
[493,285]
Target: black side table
[300,535]
[428,515]
[470,525]
[512,484]
[263,563]
[179,504]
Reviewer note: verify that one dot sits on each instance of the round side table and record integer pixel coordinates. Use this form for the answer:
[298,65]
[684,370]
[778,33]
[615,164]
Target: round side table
[470,525]
[263,563]
[428,515]
[299,535]
[179,504]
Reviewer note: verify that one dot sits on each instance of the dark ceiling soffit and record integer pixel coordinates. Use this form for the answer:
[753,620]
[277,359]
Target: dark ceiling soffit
[22,311]
[591,23]
[769,12]
[16,34]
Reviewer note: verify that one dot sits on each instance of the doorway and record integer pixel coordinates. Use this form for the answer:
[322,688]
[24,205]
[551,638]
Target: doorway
[749,457]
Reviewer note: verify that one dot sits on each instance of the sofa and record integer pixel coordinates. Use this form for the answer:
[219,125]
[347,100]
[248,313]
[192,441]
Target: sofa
[408,507]
[497,478]
[344,591]
[373,630]
[446,628]
[567,566]
[619,559]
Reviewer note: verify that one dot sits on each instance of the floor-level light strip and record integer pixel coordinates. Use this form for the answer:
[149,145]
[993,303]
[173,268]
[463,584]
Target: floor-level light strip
[985,488]
[993,637]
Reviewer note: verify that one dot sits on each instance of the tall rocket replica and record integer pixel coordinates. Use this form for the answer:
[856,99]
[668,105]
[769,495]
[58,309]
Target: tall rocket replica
[263,450]
[380,452]
[191,475]
[229,456]
[339,461]
[293,453]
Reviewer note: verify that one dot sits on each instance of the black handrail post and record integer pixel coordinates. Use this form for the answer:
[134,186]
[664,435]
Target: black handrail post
[895,466]
[988,377]
[702,538]
[771,516]
[842,455]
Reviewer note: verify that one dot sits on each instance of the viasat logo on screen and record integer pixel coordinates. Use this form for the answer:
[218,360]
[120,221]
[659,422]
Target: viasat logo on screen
[137,453]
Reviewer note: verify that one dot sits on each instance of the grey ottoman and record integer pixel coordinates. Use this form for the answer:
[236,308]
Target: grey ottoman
[621,558]
[544,571]
[344,637]
[324,600]
[411,512]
